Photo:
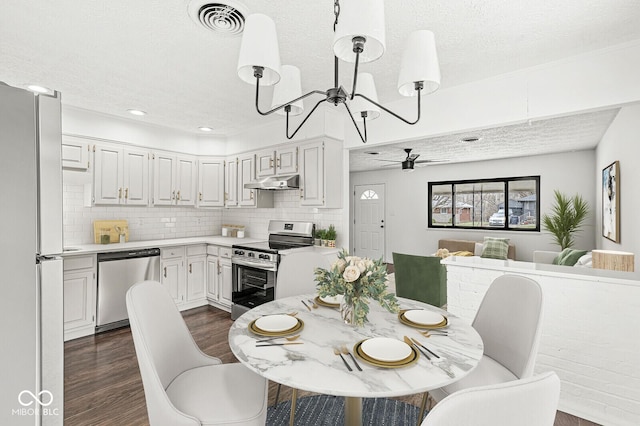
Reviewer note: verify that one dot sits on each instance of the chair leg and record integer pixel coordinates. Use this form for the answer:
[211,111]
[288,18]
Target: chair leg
[423,405]
[294,400]
[277,394]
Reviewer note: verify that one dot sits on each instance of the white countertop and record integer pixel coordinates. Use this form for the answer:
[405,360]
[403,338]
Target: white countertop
[104,248]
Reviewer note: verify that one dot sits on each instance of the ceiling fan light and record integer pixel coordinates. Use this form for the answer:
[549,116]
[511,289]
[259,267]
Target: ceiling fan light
[360,18]
[407,166]
[419,63]
[287,89]
[259,47]
[366,87]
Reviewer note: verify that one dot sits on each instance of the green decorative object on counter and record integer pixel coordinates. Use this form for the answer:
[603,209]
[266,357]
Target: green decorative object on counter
[358,280]
[318,236]
[330,236]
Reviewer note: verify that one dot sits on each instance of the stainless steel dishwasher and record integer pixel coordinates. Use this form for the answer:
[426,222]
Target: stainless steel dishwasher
[117,272]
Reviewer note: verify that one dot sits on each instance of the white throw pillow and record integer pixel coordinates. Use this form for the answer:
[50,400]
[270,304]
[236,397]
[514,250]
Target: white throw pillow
[584,261]
[478,249]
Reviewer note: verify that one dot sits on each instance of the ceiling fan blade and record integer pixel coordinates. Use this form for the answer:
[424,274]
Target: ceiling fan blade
[392,161]
[431,161]
[413,157]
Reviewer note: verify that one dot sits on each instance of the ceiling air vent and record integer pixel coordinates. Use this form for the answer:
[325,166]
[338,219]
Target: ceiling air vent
[223,18]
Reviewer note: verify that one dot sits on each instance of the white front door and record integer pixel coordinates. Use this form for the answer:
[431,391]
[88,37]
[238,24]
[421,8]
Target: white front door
[369,221]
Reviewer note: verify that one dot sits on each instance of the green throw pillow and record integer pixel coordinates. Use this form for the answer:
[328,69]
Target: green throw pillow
[495,248]
[569,257]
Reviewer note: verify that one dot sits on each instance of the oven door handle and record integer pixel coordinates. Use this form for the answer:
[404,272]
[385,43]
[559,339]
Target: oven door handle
[257,265]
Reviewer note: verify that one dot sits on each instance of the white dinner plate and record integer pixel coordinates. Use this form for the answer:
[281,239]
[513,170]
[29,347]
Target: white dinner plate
[332,300]
[422,317]
[386,349]
[276,323]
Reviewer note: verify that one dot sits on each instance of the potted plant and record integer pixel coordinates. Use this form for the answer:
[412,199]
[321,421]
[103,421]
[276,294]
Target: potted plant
[318,236]
[567,217]
[330,237]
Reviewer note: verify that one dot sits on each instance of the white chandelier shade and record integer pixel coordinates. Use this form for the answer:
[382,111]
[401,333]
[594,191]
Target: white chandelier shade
[360,18]
[419,63]
[366,87]
[287,89]
[259,47]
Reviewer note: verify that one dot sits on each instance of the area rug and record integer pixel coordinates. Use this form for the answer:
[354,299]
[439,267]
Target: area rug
[326,410]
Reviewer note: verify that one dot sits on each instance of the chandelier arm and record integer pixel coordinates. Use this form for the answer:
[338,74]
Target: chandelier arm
[355,76]
[320,92]
[393,113]
[363,139]
[303,121]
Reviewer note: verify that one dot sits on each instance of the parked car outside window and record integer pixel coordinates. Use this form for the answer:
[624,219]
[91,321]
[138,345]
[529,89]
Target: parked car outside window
[498,218]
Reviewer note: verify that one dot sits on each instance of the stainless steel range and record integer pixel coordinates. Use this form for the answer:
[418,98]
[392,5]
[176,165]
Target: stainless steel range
[255,265]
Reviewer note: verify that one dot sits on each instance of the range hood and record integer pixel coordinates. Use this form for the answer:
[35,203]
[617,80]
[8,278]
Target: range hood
[276,182]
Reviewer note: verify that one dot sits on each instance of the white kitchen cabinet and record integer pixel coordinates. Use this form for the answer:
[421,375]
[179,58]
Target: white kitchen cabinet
[183,272]
[210,182]
[175,179]
[79,287]
[321,173]
[226,282]
[241,170]
[219,277]
[76,153]
[196,273]
[172,278]
[121,175]
[213,271]
[279,161]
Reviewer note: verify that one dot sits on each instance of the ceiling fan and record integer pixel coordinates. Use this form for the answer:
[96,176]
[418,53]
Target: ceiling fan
[412,159]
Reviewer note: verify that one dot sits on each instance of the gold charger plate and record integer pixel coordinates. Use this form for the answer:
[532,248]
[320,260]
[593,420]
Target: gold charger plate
[327,304]
[411,359]
[256,330]
[406,321]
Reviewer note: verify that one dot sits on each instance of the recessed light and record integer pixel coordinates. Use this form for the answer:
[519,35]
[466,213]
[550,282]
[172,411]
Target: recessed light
[39,89]
[470,139]
[205,129]
[372,153]
[136,112]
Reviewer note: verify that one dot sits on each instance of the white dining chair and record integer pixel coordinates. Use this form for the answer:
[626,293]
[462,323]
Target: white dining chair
[182,385]
[509,321]
[296,276]
[525,402]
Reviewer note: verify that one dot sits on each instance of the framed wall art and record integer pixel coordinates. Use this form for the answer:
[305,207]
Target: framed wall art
[611,202]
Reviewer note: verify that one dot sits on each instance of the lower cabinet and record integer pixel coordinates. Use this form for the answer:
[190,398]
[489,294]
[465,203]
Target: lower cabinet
[79,284]
[183,272]
[219,277]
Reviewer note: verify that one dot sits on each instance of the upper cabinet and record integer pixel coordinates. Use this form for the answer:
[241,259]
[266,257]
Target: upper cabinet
[231,182]
[174,179]
[279,161]
[76,153]
[321,174]
[210,182]
[246,197]
[241,170]
[121,175]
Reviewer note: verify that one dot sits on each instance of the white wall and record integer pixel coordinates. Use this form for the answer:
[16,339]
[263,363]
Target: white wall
[621,143]
[406,200]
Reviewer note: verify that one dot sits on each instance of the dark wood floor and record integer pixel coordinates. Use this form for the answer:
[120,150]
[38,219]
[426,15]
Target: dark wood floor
[102,382]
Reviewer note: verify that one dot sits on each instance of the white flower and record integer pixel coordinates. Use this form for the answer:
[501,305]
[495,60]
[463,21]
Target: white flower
[340,264]
[361,265]
[368,263]
[351,273]
[369,273]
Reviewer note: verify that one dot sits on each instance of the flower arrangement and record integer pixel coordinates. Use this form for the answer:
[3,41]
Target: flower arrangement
[358,280]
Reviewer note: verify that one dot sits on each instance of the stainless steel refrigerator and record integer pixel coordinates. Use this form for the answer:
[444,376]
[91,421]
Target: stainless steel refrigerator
[31,306]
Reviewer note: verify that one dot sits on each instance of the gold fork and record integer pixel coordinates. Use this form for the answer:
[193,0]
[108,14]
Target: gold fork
[290,338]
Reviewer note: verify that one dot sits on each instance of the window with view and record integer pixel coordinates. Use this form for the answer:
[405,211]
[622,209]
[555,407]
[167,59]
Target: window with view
[500,204]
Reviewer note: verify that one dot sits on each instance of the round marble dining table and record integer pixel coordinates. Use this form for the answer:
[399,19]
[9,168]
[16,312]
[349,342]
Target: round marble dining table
[313,366]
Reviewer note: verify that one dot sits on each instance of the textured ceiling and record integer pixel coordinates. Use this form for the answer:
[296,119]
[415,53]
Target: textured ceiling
[109,56]
[571,133]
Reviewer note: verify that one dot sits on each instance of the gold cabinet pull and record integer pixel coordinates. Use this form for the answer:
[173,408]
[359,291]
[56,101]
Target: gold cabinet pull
[126,193]
[278,163]
[301,194]
[251,195]
[271,163]
[173,195]
[165,272]
[200,196]
[178,196]
[119,193]
[190,270]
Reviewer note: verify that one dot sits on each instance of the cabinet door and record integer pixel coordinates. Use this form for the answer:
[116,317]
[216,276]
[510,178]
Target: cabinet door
[136,177]
[265,163]
[211,183]
[231,182]
[287,161]
[312,174]
[172,278]
[246,197]
[108,175]
[225,281]
[75,153]
[196,277]
[213,271]
[79,299]
[186,180]
[164,170]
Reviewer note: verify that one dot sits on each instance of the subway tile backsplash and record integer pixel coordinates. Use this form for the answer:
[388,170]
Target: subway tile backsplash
[153,223]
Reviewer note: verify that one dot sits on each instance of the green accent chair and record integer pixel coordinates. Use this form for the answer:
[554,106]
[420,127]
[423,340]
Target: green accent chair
[420,278]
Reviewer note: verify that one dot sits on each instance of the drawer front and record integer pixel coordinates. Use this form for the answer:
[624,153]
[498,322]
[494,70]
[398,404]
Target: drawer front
[196,250]
[172,252]
[212,250]
[79,262]
[225,252]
